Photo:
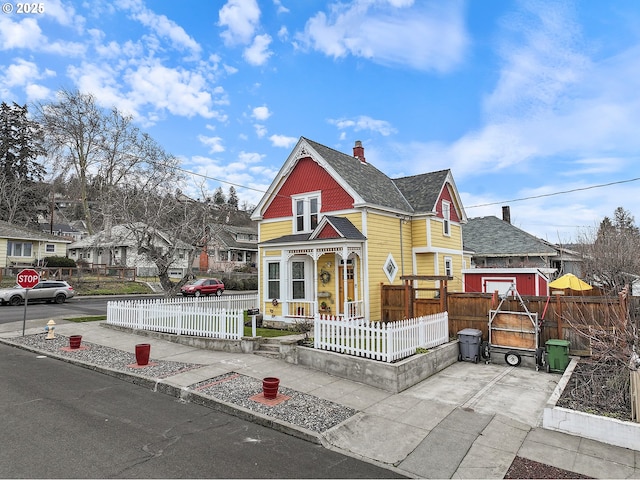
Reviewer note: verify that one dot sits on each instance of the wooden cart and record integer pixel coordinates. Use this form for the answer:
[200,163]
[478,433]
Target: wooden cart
[514,334]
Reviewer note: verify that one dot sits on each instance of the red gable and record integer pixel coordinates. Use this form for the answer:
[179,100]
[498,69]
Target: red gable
[328,232]
[446,195]
[308,176]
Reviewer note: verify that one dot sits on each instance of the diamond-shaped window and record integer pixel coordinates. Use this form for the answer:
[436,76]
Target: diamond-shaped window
[390,268]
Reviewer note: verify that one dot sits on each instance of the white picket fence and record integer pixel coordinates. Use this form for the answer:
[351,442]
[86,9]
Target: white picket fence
[381,341]
[215,317]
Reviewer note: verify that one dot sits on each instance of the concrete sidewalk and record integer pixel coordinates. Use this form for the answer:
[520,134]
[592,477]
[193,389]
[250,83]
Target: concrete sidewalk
[468,421]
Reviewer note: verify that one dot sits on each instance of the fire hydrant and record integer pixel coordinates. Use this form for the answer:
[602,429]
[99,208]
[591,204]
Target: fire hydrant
[51,326]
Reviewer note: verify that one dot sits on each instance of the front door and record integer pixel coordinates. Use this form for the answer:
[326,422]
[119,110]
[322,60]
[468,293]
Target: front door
[350,287]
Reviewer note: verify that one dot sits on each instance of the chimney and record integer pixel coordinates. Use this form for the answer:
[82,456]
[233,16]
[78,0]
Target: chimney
[358,151]
[506,214]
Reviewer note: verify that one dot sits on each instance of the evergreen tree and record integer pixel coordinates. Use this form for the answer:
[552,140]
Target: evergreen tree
[21,143]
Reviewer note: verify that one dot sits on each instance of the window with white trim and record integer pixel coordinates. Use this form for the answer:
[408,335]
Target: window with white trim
[19,249]
[50,248]
[446,215]
[273,280]
[448,266]
[298,281]
[306,211]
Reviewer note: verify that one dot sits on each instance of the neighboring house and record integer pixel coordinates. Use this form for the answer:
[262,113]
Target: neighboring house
[496,243]
[61,230]
[21,247]
[229,247]
[528,281]
[333,229]
[118,248]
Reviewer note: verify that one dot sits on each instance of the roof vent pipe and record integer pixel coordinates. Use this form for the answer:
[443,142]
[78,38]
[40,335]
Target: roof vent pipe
[358,151]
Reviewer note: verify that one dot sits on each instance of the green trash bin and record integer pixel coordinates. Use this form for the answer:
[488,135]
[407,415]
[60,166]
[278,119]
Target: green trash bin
[557,355]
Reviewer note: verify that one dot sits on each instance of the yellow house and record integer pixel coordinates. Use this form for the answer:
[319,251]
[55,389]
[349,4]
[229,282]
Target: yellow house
[20,247]
[333,229]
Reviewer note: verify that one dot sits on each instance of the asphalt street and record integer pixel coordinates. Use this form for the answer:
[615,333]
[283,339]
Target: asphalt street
[63,421]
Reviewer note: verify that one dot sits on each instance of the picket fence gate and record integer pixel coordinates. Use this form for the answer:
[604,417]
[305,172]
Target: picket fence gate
[379,340]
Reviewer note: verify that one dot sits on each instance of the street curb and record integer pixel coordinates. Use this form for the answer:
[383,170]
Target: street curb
[163,385]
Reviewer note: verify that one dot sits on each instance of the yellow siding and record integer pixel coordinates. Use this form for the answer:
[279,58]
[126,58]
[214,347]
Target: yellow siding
[439,240]
[419,232]
[3,252]
[383,235]
[272,230]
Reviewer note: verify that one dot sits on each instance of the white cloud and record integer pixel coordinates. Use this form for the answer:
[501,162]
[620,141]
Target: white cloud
[261,113]
[261,130]
[26,34]
[364,122]
[240,17]
[64,14]
[250,157]
[214,143]
[37,92]
[20,73]
[23,74]
[282,141]
[283,33]
[258,52]
[181,92]
[166,28]
[280,8]
[426,37]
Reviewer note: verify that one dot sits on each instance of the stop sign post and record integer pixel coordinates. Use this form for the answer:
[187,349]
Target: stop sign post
[27,278]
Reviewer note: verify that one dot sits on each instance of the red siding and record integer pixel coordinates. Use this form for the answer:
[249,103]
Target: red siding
[446,195]
[525,282]
[328,232]
[308,176]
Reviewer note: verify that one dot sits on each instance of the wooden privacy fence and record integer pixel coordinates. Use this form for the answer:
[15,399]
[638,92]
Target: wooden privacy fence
[559,316]
[379,340]
[220,317]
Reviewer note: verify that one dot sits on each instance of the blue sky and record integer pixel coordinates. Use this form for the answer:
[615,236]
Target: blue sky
[521,99]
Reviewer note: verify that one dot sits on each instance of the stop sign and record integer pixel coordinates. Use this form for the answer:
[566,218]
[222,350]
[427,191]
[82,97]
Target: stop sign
[28,278]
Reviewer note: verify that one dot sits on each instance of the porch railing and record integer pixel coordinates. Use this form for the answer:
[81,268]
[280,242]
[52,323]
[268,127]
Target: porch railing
[380,341]
[300,309]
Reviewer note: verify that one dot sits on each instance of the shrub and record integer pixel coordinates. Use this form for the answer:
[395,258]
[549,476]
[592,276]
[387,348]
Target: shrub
[59,262]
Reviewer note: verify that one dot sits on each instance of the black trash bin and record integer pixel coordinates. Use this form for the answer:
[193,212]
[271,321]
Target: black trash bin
[470,341]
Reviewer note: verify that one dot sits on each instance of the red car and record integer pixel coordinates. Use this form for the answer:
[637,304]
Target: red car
[203,286]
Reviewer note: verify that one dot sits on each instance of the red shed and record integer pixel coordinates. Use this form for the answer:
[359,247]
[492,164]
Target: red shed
[529,281]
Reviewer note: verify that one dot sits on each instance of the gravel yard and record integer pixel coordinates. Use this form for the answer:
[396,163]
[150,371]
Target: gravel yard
[299,409]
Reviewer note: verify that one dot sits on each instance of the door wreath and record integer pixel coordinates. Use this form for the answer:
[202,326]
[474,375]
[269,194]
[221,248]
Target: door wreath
[325,277]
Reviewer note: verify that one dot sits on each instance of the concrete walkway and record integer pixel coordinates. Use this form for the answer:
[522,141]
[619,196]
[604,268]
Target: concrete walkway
[468,421]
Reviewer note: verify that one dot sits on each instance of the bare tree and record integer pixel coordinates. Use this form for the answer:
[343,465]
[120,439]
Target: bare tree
[610,256]
[102,150]
[74,128]
[172,233]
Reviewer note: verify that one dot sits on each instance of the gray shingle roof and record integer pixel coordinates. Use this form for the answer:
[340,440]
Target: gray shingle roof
[343,225]
[346,228]
[8,230]
[371,184]
[491,236]
[422,191]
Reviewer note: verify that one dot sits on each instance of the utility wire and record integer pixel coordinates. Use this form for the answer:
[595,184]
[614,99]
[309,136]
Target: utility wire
[555,193]
[591,187]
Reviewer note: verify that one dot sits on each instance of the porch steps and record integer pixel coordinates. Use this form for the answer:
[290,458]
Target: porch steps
[277,347]
[270,348]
